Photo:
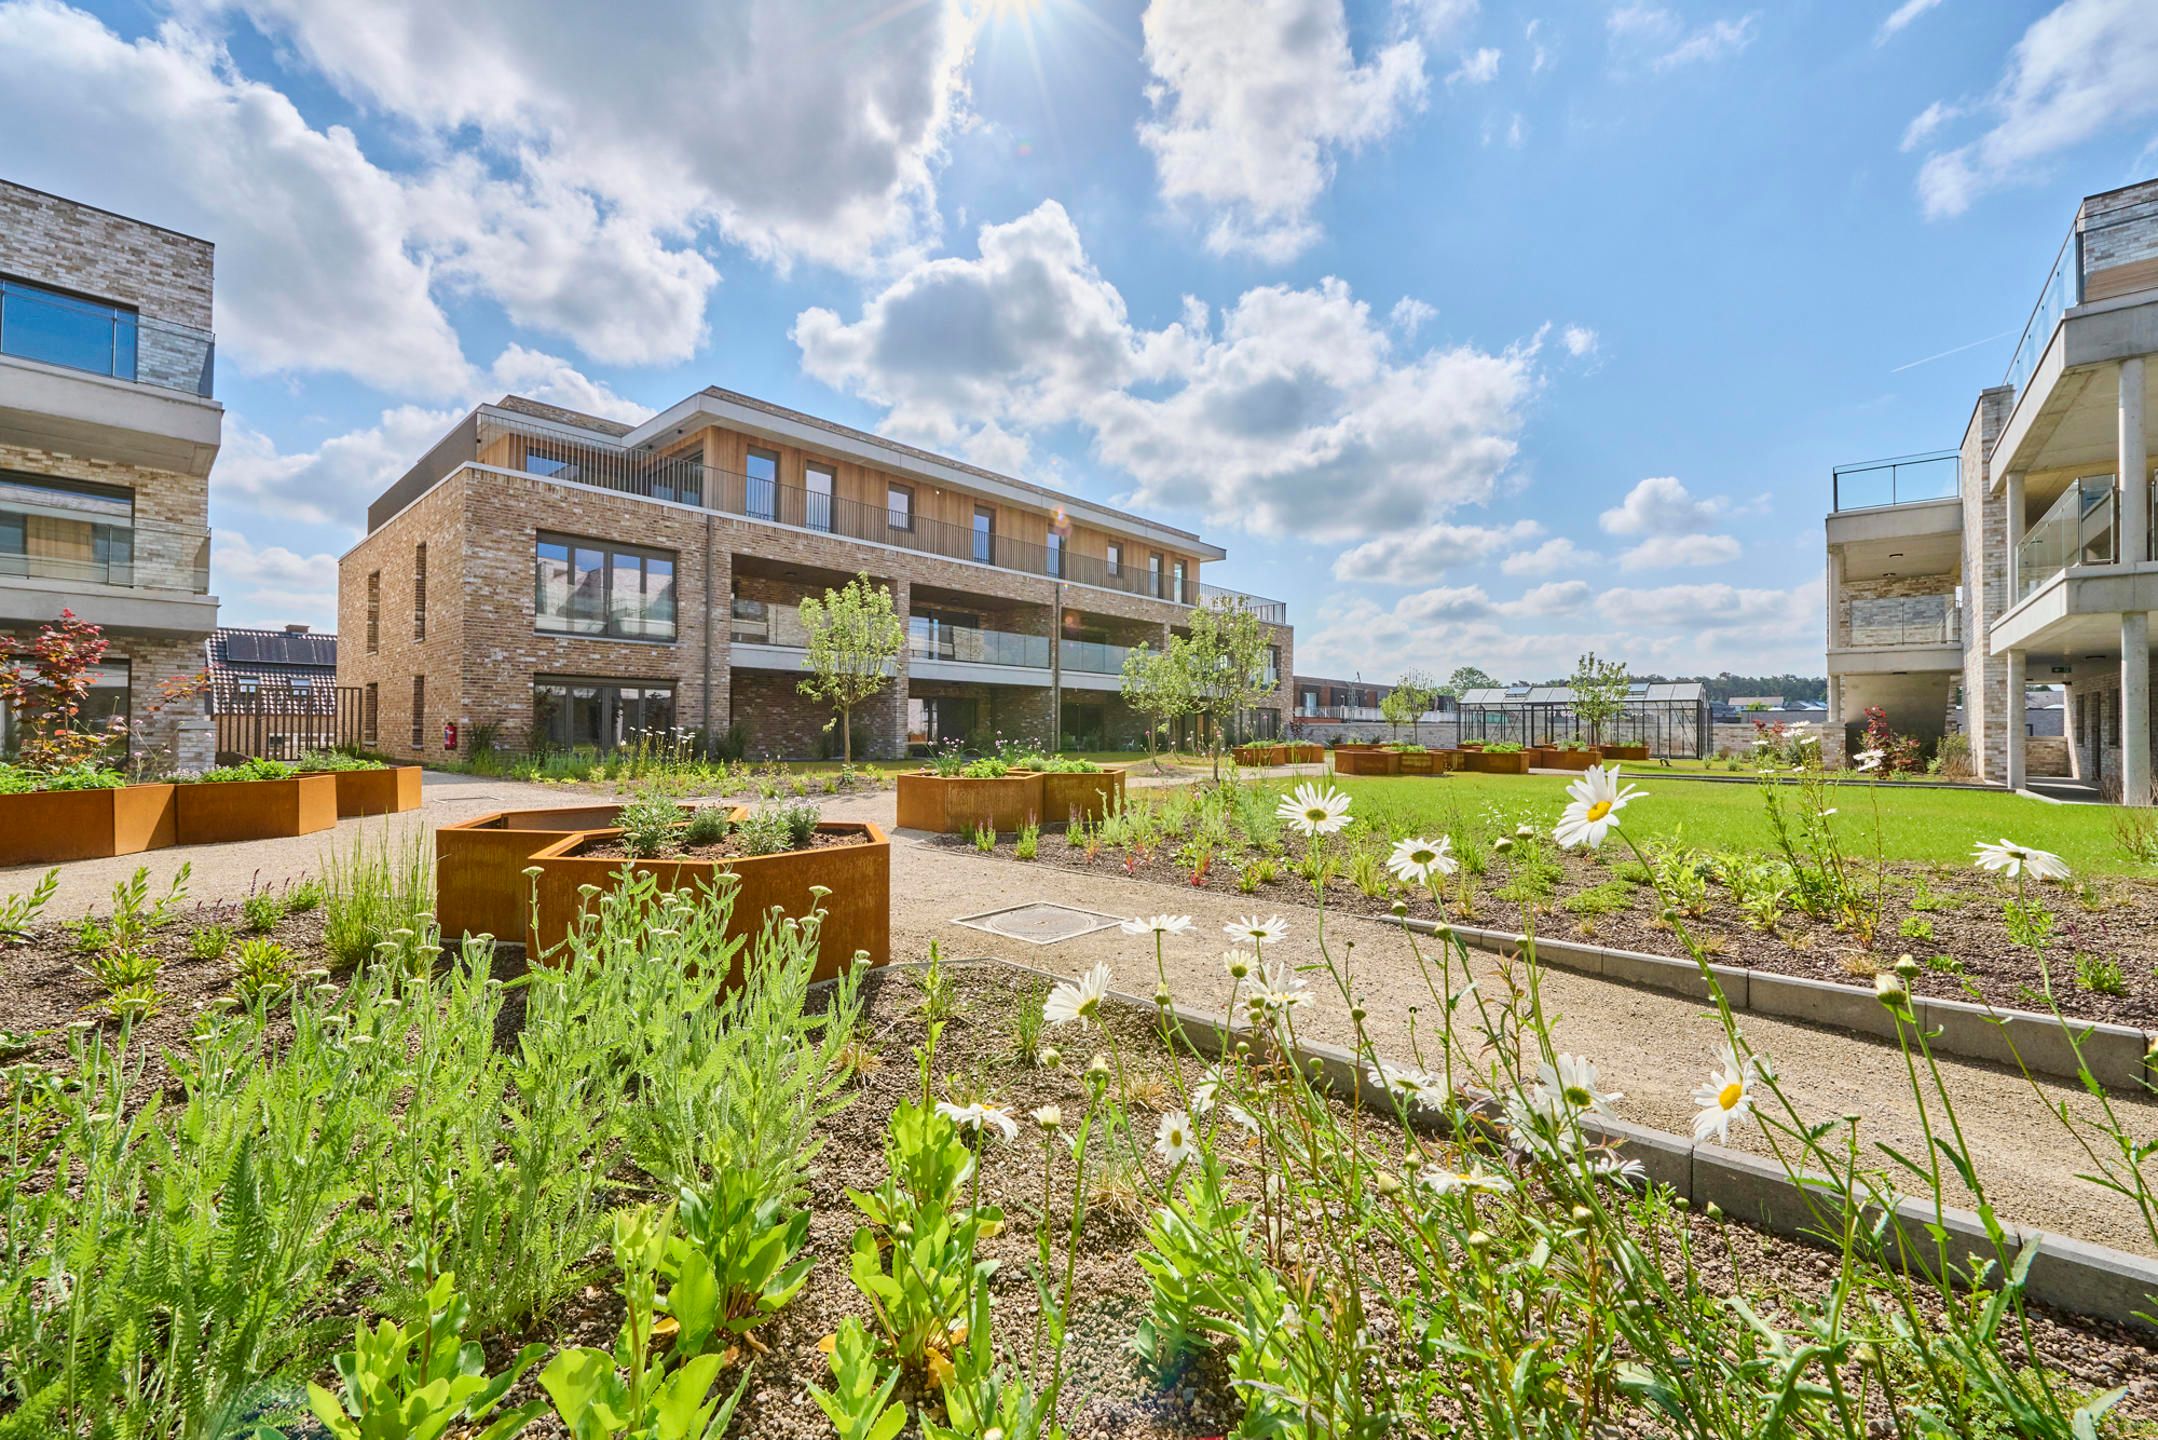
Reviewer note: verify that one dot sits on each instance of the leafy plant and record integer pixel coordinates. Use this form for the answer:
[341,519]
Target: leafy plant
[1028,840]
[303,896]
[135,916]
[1915,927]
[708,825]
[985,837]
[266,969]
[860,1404]
[2030,923]
[380,894]
[18,911]
[413,1382]
[2099,974]
[261,911]
[652,823]
[731,1263]
[801,825]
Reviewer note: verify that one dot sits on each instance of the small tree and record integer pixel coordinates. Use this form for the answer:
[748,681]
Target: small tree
[47,682]
[1419,693]
[853,637]
[1223,661]
[1600,688]
[1397,708]
[1155,688]
[1465,679]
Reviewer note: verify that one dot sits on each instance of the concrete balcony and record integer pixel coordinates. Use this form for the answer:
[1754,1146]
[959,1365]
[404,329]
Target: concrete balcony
[97,417]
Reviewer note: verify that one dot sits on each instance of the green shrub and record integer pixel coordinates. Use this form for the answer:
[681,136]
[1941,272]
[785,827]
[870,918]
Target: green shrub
[303,896]
[708,825]
[210,942]
[266,969]
[652,823]
[2099,974]
[378,893]
[989,767]
[319,761]
[253,768]
[985,838]
[764,832]
[1608,897]
[801,825]
[262,911]
[1029,839]
[1915,927]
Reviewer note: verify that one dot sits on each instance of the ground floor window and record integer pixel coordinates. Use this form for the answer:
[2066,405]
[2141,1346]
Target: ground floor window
[106,704]
[1086,725]
[599,714]
[934,719]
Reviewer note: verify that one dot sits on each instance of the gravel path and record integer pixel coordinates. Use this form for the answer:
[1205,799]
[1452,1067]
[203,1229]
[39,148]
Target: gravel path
[1653,1047]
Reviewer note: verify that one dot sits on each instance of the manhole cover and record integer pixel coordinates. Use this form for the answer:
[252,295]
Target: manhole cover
[1041,923]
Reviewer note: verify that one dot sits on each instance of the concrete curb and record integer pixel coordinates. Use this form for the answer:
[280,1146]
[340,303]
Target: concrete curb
[2117,1055]
[2094,1281]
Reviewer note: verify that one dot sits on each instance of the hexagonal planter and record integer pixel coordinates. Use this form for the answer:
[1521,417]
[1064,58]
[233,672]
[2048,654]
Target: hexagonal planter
[256,809]
[480,885]
[1089,796]
[1366,762]
[962,804]
[46,827]
[387,791]
[857,912]
[1419,762]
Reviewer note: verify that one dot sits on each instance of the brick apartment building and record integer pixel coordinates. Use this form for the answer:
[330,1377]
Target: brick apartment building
[570,581]
[107,433]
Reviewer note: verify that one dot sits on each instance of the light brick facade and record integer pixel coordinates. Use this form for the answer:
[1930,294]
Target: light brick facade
[484,646]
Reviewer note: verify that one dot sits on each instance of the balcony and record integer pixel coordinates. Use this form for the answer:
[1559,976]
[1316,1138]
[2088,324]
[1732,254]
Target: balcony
[107,340]
[2077,529]
[143,578]
[1893,621]
[1900,480]
[974,645]
[1269,612]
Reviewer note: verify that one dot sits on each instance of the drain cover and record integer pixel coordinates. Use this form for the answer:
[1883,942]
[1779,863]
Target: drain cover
[1041,923]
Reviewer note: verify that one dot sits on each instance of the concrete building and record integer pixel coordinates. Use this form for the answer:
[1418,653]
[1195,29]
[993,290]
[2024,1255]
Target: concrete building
[2023,555]
[564,580]
[108,428]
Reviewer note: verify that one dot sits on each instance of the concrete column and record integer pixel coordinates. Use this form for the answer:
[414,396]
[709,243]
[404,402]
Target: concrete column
[2135,473]
[2012,721]
[2016,527]
[2135,708]
[1835,596]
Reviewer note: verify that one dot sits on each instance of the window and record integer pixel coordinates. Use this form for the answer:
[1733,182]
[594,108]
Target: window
[760,484]
[1153,575]
[371,714]
[104,706]
[553,466]
[985,535]
[59,329]
[933,719]
[419,712]
[1056,554]
[899,507]
[599,714]
[817,497]
[1180,593]
[374,611]
[54,530]
[584,587]
[1115,562]
[419,592]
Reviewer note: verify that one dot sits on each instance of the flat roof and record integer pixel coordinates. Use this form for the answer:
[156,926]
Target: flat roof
[102,210]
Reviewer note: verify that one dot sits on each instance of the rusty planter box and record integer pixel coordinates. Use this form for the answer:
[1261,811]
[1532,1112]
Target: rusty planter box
[1305,752]
[1625,752]
[1366,762]
[1419,762]
[1088,796]
[256,809]
[480,884]
[46,827]
[961,804]
[857,912]
[388,791]
[1262,754]
[1551,757]
[1495,762]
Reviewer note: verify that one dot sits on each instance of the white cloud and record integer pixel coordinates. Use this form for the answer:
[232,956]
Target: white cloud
[1926,122]
[1652,33]
[1714,41]
[1478,67]
[1439,20]
[271,585]
[1580,341]
[1410,315]
[1556,556]
[1559,597]
[1539,53]
[2078,71]
[312,265]
[1661,505]
[1412,557]
[1295,412]
[1253,103]
[333,483]
[1901,16]
[1667,552]
[1714,607]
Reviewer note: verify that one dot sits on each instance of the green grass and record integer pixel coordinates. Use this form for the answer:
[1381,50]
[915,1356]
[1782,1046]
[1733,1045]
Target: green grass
[1930,826]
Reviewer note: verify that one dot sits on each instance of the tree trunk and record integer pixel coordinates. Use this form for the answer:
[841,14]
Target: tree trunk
[846,736]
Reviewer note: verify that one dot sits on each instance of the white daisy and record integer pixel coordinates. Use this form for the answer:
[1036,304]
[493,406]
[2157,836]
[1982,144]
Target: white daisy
[1251,930]
[1416,861]
[1156,925]
[1174,1141]
[1597,799]
[2013,860]
[1456,1182]
[1078,1000]
[1573,1084]
[1613,1167]
[1208,1090]
[1314,811]
[976,1116]
[1280,987]
[1725,1099]
[1413,1088]
[1866,760]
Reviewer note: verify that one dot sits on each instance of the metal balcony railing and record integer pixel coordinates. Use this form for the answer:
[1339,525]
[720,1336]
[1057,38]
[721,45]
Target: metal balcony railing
[1269,612]
[1899,480]
[688,481]
[55,329]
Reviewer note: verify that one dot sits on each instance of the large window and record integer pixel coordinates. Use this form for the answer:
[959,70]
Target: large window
[1115,561]
[899,507]
[817,496]
[760,484]
[1179,594]
[1056,555]
[584,587]
[419,712]
[1153,576]
[56,531]
[934,719]
[599,714]
[46,325]
[985,535]
[106,704]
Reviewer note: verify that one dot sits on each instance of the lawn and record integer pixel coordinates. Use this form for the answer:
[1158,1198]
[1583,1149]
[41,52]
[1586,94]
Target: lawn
[1932,826]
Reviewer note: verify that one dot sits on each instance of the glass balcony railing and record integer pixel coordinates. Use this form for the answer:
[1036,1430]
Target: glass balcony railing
[1091,657]
[75,552]
[1903,620]
[760,622]
[1270,612]
[2062,291]
[2078,529]
[56,329]
[1902,480]
[972,645]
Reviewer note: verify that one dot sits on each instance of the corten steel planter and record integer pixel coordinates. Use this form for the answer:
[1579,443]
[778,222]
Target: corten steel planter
[388,791]
[1552,758]
[480,884]
[256,809]
[1305,752]
[1261,754]
[1495,762]
[1367,762]
[1625,752]
[1088,796]
[1354,745]
[961,804]
[1418,762]
[857,912]
[46,827]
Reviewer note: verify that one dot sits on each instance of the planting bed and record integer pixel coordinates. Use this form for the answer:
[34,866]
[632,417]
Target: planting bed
[731,848]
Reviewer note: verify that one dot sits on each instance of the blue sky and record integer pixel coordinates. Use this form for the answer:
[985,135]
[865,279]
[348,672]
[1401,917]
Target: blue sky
[1481,334]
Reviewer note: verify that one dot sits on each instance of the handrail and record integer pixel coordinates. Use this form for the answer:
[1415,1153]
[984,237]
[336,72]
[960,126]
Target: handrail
[1935,475]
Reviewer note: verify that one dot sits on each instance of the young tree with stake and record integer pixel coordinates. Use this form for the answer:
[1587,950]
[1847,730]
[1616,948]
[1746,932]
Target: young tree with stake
[853,637]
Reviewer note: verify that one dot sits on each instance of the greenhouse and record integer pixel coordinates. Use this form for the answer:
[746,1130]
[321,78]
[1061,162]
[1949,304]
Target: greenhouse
[1670,717]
